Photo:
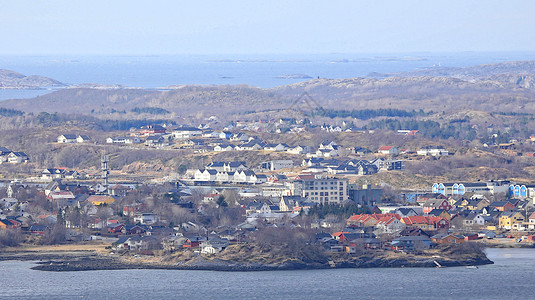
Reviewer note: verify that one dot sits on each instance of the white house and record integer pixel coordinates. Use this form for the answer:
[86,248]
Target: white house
[67,139]
[83,139]
[205,175]
[17,157]
[186,132]
[244,176]
[223,148]
[146,218]
[389,225]
[223,176]
[123,140]
[432,151]
[275,147]
[298,149]
[388,150]
[273,165]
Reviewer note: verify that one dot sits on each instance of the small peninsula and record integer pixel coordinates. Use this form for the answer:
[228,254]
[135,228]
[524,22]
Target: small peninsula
[240,257]
[14,80]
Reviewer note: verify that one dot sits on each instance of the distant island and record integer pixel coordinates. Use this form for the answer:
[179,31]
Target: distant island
[14,80]
[294,76]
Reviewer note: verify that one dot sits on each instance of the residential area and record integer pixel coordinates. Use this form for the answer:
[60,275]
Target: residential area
[228,185]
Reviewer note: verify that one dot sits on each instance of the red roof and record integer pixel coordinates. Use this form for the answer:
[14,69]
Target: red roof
[364,218]
[119,187]
[339,233]
[386,148]
[420,220]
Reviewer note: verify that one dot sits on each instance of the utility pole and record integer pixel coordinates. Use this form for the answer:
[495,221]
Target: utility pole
[104,160]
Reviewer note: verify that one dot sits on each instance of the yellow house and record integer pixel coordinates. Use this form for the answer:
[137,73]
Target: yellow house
[509,219]
[100,199]
[440,213]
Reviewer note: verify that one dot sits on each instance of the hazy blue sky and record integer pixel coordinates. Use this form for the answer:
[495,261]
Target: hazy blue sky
[275,26]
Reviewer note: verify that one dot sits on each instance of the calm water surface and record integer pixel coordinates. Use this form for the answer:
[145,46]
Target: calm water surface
[511,277]
[256,70]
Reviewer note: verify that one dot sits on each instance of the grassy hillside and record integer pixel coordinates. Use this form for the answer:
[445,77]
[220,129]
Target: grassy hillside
[504,87]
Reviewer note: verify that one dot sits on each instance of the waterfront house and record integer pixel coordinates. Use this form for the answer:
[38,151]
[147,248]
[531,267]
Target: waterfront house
[443,238]
[389,225]
[511,220]
[426,223]
[531,221]
[416,242]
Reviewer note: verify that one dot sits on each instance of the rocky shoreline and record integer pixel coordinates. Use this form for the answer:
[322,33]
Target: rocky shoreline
[90,260]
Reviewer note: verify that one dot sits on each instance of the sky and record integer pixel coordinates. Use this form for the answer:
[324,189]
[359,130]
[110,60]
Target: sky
[157,27]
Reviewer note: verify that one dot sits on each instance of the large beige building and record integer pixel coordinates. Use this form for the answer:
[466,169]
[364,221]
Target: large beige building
[325,190]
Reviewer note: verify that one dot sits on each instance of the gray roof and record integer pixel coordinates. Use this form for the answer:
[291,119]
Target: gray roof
[70,136]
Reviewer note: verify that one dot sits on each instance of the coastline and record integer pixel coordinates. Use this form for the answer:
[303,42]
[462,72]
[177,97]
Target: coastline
[86,260]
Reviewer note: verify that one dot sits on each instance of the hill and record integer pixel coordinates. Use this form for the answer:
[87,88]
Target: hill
[13,80]
[479,71]
[498,87]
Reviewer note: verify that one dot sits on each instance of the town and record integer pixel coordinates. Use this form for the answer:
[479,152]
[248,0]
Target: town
[273,177]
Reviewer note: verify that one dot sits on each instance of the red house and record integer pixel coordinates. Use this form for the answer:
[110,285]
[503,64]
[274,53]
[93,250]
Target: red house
[426,223]
[191,243]
[436,204]
[116,228]
[152,129]
[503,205]
[471,237]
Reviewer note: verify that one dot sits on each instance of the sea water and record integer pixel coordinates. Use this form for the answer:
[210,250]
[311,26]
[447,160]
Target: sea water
[511,277]
[265,71]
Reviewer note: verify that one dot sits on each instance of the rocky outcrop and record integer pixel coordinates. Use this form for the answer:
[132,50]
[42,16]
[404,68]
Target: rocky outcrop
[254,260]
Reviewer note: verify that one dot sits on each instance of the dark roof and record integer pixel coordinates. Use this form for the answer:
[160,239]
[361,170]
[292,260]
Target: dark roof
[186,128]
[321,235]
[4,150]
[412,238]
[470,184]
[19,154]
[436,212]
[414,231]
[234,164]
[500,203]
[404,211]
